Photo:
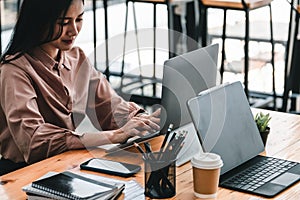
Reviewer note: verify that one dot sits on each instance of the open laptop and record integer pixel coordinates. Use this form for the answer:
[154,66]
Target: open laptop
[226,126]
[184,76]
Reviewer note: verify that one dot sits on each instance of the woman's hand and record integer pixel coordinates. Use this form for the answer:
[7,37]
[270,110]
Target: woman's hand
[139,125]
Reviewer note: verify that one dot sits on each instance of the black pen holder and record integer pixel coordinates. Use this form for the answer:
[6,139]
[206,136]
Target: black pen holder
[160,176]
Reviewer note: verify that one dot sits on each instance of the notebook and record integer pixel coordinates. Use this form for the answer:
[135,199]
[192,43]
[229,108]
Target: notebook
[226,126]
[184,76]
[67,185]
[130,189]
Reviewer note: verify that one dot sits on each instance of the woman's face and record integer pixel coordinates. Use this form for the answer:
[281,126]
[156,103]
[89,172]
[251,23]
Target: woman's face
[71,26]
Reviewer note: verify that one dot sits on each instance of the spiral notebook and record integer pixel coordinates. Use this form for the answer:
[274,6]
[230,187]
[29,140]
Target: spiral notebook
[67,185]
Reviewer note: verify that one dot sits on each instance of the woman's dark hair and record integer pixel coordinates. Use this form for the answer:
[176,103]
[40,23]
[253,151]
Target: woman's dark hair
[35,26]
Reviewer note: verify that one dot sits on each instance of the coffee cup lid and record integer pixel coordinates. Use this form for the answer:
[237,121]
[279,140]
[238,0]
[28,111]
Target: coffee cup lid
[207,161]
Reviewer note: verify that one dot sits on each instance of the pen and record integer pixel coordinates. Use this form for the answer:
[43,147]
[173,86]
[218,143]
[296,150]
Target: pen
[166,137]
[145,155]
[139,148]
[147,147]
[173,136]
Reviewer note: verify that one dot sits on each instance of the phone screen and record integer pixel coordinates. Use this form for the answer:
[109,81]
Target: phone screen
[108,165]
[111,167]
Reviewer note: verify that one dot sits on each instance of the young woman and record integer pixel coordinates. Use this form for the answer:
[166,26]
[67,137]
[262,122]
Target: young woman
[48,86]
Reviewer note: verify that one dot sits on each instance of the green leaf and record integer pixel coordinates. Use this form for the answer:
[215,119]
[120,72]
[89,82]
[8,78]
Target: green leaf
[262,121]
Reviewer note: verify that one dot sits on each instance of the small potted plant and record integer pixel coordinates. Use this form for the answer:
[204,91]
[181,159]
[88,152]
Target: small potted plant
[262,121]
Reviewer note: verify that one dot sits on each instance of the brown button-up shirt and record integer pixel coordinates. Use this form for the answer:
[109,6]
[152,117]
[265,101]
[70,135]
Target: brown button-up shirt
[43,101]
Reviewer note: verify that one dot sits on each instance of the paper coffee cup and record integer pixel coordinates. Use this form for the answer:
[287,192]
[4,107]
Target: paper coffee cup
[206,173]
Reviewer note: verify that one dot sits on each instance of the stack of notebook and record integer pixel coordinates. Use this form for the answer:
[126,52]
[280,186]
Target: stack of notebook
[68,185]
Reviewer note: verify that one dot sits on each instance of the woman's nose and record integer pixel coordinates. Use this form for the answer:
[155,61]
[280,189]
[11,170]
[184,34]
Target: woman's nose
[73,30]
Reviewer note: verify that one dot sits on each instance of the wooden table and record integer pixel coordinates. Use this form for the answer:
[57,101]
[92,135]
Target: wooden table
[283,142]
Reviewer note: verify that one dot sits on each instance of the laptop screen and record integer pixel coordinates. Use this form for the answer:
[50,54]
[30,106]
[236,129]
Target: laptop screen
[184,77]
[225,124]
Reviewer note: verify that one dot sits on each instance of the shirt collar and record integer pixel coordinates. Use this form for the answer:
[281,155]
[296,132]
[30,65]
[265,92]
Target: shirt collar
[49,62]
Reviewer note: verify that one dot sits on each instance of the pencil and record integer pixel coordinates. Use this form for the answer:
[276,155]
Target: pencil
[178,149]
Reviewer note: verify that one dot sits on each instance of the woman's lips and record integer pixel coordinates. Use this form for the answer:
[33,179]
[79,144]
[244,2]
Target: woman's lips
[68,41]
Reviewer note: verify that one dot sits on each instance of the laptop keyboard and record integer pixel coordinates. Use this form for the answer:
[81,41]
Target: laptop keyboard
[259,174]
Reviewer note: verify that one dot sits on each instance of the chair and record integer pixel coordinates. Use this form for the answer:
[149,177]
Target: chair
[140,81]
[292,61]
[239,5]
[94,8]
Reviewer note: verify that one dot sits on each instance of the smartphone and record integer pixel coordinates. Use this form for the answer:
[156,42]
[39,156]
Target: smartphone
[110,167]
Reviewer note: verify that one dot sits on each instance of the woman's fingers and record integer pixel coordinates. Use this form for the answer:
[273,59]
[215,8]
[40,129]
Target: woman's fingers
[149,125]
[156,113]
[142,125]
[153,119]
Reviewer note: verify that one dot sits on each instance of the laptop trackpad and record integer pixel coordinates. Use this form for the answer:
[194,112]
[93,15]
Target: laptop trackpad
[278,184]
[286,179]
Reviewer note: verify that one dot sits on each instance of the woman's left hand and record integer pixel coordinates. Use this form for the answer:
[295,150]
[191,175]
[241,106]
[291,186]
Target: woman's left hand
[153,119]
[139,125]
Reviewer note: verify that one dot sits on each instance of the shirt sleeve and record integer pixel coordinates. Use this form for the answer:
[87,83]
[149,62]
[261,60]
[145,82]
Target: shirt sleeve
[106,107]
[35,139]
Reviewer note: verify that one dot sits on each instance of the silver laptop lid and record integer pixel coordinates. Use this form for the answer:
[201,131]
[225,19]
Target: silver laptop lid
[184,77]
[225,124]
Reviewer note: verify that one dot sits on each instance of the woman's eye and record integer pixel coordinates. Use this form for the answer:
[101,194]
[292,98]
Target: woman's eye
[79,19]
[63,23]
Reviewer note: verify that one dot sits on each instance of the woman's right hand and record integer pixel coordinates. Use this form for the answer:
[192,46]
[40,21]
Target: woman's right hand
[137,126]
